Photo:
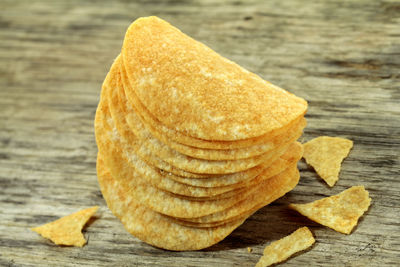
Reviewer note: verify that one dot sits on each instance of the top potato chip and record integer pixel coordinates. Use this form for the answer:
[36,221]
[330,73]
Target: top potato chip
[339,212]
[67,230]
[282,249]
[325,155]
[212,97]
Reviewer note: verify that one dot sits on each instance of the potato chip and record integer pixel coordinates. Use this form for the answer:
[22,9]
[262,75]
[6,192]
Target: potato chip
[235,178]
[282,249]
[158,130]
[167,149]
[152,227]
[158,200]
[148,131]
[180,161]
[339,212]
[114,157]
[183,160]
[268,191]
[249,249]
[133,163]
[172,204]
[67,230]
[146,155]
[212,97]
[325,155]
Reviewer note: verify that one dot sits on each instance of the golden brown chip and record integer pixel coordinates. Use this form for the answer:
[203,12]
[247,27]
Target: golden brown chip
[212,97]
[249,249]
[282,249]
[67,230]
[125,117]
[174,160]
[183,170]
[152,227]
[339,212]
[147,131]
[325,155]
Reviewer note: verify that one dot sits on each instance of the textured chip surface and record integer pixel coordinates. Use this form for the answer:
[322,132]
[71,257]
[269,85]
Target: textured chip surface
[282,249]
[339,212]
[181,161]
[158,129]
[268,191]
[148,130]
[325,155]
[189,143]
[151,227]
[165,146]
[290,155]
[147,195]
[67,230]
[212,97]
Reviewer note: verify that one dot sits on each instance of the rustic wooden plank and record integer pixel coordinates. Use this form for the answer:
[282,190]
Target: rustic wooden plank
[342,56]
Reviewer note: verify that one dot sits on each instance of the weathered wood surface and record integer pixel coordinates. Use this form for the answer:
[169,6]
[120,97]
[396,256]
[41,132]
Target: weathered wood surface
[342,56]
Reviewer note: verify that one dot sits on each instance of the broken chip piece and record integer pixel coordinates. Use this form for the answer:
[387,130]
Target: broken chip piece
[282,249]
[325,155]
[67,230]
[339,212]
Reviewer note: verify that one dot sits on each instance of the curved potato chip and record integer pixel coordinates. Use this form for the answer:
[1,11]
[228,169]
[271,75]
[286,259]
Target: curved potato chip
[148,131]
[165,148]
[176,159]
[150,226]
[268,191]
[174,74]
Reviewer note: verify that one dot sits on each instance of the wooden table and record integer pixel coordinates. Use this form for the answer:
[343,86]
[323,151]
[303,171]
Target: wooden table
[342,56]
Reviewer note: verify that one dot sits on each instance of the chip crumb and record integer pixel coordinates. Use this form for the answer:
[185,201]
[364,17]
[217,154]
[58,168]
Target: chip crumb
[339,212]
[67,230]
[249,249]
[282,249]
[325,154]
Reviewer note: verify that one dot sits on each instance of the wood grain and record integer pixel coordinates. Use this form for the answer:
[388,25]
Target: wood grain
[342,56]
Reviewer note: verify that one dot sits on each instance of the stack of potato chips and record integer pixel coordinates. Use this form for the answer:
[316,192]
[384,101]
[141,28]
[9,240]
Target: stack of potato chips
[191,144]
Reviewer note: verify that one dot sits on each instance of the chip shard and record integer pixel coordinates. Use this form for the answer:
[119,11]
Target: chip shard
[325,154]
[284,248]
[339,212]
[67,230]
